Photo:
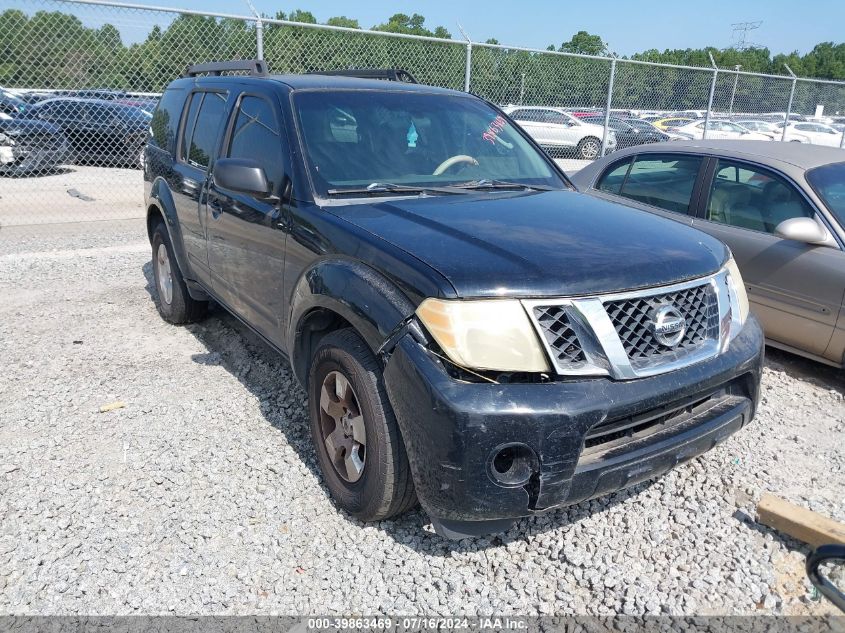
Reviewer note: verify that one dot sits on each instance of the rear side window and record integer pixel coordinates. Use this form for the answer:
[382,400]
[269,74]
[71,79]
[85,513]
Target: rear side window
[663,181]
[165,120]
[190,122]
[257,135]
[205,131]
[612,180]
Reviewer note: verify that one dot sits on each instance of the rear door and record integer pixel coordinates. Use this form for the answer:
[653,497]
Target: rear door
[246,235]
[560,129]
[795,289]
[663,183]
[200,134]
[547,127]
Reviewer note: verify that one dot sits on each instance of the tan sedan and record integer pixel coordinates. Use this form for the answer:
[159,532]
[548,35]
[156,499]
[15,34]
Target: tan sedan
[780,207]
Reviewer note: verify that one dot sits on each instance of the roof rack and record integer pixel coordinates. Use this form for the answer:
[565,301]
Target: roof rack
[387,74]
[255,67]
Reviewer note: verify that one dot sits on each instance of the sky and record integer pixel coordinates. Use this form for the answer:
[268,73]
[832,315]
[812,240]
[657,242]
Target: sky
[626,26]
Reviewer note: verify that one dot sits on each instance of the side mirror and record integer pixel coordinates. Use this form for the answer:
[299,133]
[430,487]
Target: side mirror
[805,230]
[826,570]
[242,175]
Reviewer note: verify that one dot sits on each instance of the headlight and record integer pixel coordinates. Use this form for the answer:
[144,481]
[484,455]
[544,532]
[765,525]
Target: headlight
[490,334]
[738,299]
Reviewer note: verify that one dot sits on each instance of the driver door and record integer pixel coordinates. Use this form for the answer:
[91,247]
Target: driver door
[247,234]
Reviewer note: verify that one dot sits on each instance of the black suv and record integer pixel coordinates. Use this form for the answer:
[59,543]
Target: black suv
[471,332]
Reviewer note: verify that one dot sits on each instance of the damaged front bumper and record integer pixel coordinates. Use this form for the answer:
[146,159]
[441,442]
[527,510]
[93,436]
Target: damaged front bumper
[483,455]
[21,159]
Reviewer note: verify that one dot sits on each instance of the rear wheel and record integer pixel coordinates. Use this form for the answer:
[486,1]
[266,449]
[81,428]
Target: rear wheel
[589,148]
[356,437]
[174,302]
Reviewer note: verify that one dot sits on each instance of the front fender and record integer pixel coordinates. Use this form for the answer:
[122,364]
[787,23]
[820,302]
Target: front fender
[361,295]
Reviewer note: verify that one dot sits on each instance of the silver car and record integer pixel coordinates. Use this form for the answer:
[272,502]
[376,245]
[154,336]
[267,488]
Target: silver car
[780,207]
[556,131]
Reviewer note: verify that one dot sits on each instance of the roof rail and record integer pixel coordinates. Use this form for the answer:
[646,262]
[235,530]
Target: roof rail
[387,74]
[255,67]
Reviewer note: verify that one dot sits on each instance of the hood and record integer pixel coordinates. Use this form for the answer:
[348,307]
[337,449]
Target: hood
[23,127]
[551,243]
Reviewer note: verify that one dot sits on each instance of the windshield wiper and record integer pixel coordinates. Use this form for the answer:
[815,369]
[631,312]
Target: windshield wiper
[487,183]
[376,188]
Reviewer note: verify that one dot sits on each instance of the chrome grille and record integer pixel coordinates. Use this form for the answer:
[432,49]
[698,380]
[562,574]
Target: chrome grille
[561,338]
[616,334]
[632,320]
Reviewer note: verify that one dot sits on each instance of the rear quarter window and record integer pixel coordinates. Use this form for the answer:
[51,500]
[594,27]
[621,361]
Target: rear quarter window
[165,122]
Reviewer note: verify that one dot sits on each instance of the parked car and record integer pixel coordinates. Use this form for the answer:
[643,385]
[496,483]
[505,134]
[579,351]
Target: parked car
[470,331]
[99,132]
[627,133]
[779,207]
[816,133]
[720,129]
[772,130]
[556,130]
[30,146]
[104,94]
[664,123]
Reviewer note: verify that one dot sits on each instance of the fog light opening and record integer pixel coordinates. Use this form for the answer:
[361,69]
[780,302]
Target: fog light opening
[512,465]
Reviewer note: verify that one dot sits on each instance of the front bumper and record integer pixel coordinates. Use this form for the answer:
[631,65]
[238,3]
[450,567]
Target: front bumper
[453,429]
[33,160]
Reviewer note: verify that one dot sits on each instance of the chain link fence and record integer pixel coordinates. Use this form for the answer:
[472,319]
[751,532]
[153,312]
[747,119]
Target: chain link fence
[80,78]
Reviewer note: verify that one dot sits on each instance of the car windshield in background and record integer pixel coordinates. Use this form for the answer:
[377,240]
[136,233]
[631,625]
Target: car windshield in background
[373,142]
[829,183]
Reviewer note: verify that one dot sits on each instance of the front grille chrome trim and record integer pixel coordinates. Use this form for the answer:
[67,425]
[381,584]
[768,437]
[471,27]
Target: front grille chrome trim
[601,344]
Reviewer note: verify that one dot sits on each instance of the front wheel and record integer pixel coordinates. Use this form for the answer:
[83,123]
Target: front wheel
[589,148]
[356,437]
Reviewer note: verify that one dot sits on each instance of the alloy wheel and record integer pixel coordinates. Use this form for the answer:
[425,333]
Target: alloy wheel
[342,427]
[165,275]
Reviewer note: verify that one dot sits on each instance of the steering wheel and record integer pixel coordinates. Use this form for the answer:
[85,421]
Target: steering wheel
[454,160]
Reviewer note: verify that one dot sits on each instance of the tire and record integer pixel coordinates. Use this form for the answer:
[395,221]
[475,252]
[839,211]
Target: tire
[384,487]
[589,148]
[174,303]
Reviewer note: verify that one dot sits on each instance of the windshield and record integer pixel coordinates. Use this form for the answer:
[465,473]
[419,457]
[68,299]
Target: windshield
[359,139]
[829,183]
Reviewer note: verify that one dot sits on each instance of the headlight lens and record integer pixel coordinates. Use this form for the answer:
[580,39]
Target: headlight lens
[737,296]
[490,334]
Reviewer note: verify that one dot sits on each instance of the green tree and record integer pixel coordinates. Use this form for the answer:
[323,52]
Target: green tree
[411,25]
[342,20]
[306,17]
[584,43]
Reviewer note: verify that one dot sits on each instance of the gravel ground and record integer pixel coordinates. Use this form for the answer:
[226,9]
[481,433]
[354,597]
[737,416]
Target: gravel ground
[202,494]
[74,193]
